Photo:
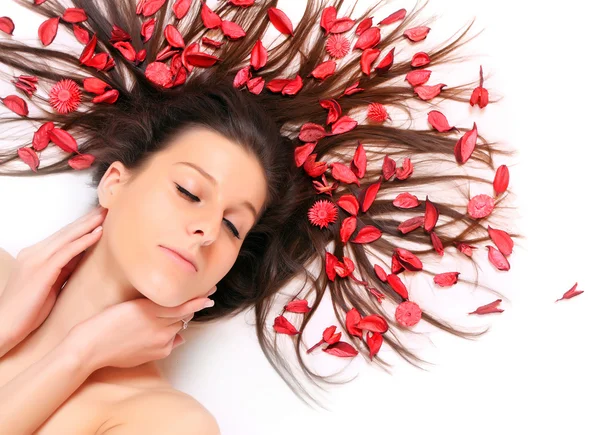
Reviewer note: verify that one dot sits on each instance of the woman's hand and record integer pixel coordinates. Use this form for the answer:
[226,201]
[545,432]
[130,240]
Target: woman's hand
[40,273]
[132,333]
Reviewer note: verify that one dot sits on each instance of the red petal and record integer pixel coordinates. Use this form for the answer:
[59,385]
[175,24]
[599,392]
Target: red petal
[408,314]
[301,153]
[259,55]
[501,179]
[368,39]
[242,3]
[311,132]
[420,59]
[329,336]
[81,161]
[439,121]
[497,259]
[281,21]
[173,36]
[348,203]
[283,326]
[386,62]
[95,85]
[465,249]
[147,29]
[40,137]
[181,8]
[211,42]
[431,215]
[7,25]
[380,273]
[411,224]
[406,170]
[209,18]
[426,92]
[47,30]
[352,89]
[324,70]
[396,265]
[367,234]
[370,195]
[330,263]
[388,167]
[344,174]
[232,30]
[396,16]
[334,110]
[341,25]
[480,206]
[293,87]
[126,49]
[256,85]
[406,200]
[158,73]
[30,157]
[314,168]
[417,33]
[88,50]
[16,104]
[364,25]
[63,140]
[502,240]
[418,77]
[572,292]
[109,97]
[489,308]
[437,243]
[341,349]
[298,306]
[446,279]
[359,161]
[81,34]
[352,319]
[150,7]
[118,34]
[343,125]
[242,77]
[347,229]
[409,260]
[466,145]
[74,15]
[374,341]
[328,17]
[397,285]
[373,323]
[367,58]
[203,60]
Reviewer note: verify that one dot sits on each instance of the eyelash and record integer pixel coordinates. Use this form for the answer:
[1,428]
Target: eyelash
[231,227]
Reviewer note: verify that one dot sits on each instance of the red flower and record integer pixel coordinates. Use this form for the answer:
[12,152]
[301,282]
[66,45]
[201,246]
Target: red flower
[322,213]
[337,46]
[377,112]
[65,96]
[408,314]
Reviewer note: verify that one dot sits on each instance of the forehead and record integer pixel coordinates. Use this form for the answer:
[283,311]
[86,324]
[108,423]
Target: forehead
[238,173]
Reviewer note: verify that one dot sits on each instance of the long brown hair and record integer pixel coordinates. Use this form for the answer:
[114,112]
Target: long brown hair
[283,246]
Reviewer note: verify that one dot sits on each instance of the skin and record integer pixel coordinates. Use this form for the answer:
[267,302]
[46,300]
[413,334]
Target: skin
[146,210]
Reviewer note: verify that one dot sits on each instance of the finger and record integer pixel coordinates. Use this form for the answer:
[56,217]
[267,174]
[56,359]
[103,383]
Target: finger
[66,271]
[59,260]
[71,233]
[188,318]
[184,309]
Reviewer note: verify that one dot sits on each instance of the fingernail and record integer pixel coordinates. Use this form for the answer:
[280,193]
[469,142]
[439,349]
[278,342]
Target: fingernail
[97,229]
[208,303]
[180,343]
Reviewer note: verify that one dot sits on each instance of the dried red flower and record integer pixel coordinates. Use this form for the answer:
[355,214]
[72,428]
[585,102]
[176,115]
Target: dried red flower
[388,168]
[283,326]
[341,349]
[298,306]
[572,292]
[497,259]
[446,279]
[374,342]
[63,140]
[324,70]
[368,39]
[397,285]
[81,34]
[480,95]
[7,25]
[417,78]
[322,213]
[367,58]
[490,308]
[406,200]
[343,125]
[501,180]
[334,110]
[30,157]
[428,92]
[480,206]
[466,145]
[232,30]
[439,121]
[47,30]
[158,73]
[65,96]
[411,224]
[367,234]
[431,215]
[408,260]
[347,229]
[181,8]
[349,203]
[417,34]
[394,17]
[337,46]
[41,138]
[147,29]
[373,323]
[408,314]
[16,104]
[281,21]
[406,170]
[74,15]
[109,97]
[256,85]
[502,240]
[343,174]
[358,165]
[259,55]
[420,59]
[377,112]
[210,19]
[370,195]
[302,152]
[81,161]
[364,25]
[386,63]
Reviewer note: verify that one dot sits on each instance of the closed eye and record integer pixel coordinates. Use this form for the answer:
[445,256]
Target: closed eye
[194,198]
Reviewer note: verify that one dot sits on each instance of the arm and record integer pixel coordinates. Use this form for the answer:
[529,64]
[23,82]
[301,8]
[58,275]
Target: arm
[37,392]
[163,412]
[7,341]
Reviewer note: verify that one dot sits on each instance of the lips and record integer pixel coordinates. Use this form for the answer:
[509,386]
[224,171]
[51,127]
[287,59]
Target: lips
[183,255]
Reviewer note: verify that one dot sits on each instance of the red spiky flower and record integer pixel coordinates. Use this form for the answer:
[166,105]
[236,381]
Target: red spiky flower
[337,46]
[65,96]
[322,213]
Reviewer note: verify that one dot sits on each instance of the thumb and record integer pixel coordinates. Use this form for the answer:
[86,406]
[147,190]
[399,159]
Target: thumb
[178,341]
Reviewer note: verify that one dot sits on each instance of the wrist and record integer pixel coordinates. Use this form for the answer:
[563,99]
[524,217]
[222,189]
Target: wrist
[79,351]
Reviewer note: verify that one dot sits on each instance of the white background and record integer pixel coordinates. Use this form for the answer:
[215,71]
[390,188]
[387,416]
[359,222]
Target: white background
[536,371]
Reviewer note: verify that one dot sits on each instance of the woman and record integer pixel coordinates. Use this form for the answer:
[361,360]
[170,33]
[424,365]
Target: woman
[222,165]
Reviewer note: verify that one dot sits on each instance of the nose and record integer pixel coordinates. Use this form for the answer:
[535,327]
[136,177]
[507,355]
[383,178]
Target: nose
[206,228]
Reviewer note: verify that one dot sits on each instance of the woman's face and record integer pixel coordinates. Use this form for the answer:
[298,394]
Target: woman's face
[149,214]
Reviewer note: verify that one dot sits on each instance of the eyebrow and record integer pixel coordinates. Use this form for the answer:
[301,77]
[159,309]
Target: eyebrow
[213,181]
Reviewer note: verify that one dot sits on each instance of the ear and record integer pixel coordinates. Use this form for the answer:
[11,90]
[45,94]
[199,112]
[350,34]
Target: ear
[111,184]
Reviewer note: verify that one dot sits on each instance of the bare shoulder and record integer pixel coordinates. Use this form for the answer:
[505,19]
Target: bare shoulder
[7,261]
[166,411]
